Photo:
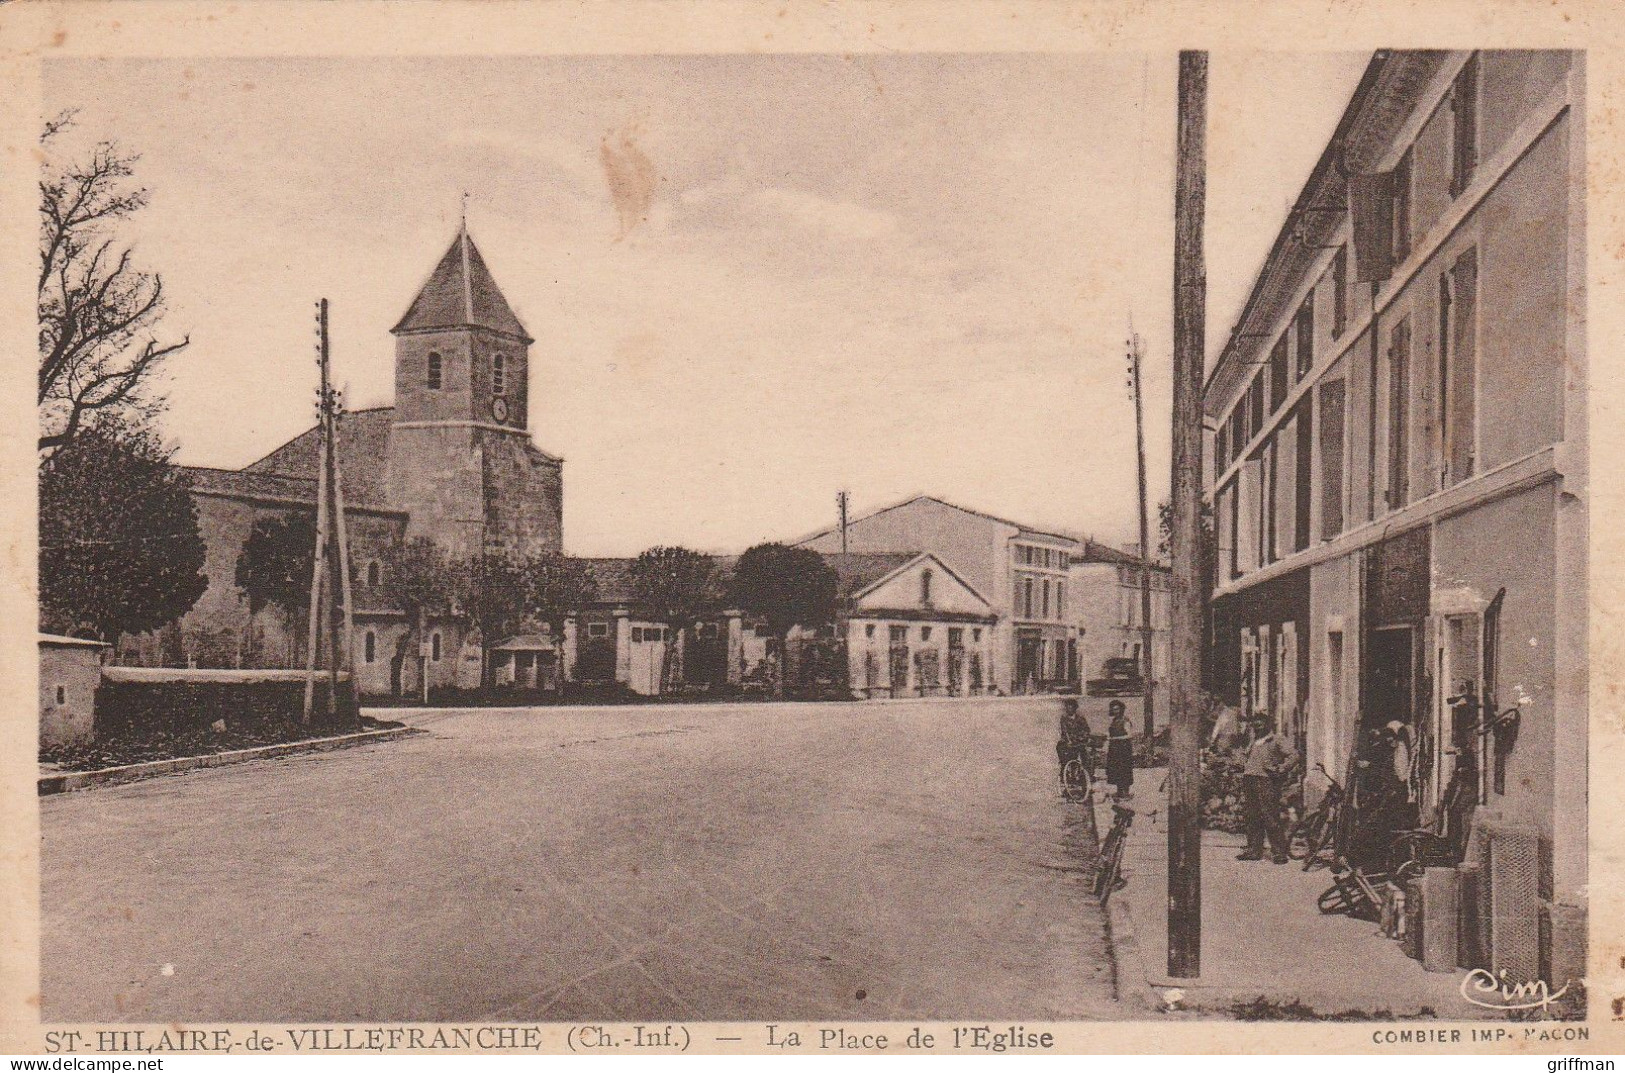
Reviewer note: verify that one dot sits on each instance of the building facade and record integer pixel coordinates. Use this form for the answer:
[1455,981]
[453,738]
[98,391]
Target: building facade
[905,626]
[1397,456]
[1022,572]
[1057,597]
[1108,612]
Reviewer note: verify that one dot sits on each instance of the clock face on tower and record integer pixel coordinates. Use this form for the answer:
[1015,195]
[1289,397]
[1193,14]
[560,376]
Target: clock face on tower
[499,409]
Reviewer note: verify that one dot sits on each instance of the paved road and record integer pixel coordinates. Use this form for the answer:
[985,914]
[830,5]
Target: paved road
[883,861]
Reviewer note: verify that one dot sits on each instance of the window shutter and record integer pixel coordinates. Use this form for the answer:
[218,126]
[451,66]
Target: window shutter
[1463,365]
[1369,199]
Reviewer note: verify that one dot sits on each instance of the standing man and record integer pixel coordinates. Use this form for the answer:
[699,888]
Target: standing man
[1267,760]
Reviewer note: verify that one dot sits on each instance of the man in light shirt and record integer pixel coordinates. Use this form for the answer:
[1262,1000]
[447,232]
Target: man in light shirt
[1267,759]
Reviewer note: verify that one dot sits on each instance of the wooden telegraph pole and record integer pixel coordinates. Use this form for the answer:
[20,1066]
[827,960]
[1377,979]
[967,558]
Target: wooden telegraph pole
[331,607]
[1147,663]
[1185,633]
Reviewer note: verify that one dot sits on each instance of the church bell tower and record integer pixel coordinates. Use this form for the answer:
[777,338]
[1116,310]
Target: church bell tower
[461,461]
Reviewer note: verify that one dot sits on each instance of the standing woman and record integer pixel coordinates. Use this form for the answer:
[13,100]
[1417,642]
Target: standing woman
[1120,752]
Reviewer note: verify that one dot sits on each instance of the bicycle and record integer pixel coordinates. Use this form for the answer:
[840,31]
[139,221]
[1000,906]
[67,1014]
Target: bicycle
[1416,849]
[1076,782]
[1077,772]
[1315,830]
[1353,892]
[1108,871]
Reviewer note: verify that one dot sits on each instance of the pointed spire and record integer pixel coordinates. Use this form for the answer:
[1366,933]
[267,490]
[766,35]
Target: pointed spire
[461,293]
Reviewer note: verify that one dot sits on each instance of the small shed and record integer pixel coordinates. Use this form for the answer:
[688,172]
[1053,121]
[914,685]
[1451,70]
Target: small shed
[70,669]
[526,661]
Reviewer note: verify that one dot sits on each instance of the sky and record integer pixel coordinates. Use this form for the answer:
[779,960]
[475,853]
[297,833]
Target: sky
[752,280]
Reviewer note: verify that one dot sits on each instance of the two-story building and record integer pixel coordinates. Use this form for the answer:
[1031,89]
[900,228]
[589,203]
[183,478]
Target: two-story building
[1021,571]
[1107,607]
[1397,447]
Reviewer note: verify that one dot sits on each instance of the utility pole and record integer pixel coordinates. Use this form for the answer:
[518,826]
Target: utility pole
[331,606]
[1147,662]
[1185,494]
[840,505]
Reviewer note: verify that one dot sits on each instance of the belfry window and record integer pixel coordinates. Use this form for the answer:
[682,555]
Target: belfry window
[499,374]
[434,371]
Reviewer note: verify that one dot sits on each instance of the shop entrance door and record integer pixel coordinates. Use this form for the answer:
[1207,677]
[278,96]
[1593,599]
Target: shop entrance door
[1029,655]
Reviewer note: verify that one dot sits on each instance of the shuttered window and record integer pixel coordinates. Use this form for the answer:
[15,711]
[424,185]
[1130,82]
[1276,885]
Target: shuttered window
[1458,356]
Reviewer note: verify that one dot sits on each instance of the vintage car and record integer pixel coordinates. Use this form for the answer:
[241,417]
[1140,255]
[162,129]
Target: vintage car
[1120,677]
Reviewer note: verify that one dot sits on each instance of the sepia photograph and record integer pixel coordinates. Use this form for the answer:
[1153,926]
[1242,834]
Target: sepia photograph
[806,549]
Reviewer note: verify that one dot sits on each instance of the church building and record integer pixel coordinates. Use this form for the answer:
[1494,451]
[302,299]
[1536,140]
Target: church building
[452,460]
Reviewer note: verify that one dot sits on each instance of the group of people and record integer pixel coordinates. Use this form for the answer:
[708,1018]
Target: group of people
[1077,742]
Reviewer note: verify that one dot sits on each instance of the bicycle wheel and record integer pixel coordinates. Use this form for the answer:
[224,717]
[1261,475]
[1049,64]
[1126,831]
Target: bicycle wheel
[1075,780]
[1306,835]
[1325,840]
[1334,899]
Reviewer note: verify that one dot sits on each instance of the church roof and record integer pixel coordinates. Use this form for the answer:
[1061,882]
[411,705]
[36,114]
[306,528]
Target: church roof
[461,293]
[363,440]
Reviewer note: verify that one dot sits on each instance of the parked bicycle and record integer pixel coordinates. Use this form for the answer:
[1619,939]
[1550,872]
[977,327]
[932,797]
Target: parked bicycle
[1441,845]
[1313,835]
[1353,892]
[1109,869]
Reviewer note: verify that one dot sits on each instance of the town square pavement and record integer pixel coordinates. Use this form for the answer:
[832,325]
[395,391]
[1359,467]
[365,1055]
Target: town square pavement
[749,862]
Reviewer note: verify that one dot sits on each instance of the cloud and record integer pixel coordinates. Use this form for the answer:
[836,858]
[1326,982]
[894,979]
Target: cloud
[836,220]
[732,204]
[558,159]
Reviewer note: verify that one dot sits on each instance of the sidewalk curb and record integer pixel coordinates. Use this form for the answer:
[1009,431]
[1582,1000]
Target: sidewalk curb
[79,780]
[1130,980]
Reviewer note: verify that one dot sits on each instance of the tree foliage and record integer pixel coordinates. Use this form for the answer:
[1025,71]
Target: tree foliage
[1165,528]
[120,549]
[675,585]
[555,587]
[419,578]
[493,595]
[786,586]
[98,312]
[275,564]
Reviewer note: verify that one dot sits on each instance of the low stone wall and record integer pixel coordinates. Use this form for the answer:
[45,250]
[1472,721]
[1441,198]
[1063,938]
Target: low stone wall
[147,700]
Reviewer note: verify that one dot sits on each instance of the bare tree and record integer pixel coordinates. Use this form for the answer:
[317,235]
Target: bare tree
[97,312]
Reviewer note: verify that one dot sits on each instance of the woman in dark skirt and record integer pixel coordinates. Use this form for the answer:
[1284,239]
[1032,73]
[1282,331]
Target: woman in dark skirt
[1120,752]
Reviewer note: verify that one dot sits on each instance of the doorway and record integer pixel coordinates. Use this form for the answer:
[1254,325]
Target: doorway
[1391,678]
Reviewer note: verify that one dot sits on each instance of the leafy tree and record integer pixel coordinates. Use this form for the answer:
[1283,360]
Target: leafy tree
[274,568]
[120,550]
[275,564]
[98,351]
[555,587]
[675,584]
[419,579]
[785,586]
[493,592]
